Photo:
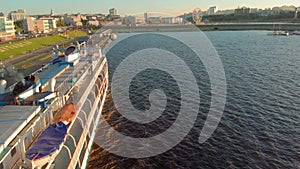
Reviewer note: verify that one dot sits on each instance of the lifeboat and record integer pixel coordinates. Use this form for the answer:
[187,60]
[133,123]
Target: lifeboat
[66,114]
[50,142]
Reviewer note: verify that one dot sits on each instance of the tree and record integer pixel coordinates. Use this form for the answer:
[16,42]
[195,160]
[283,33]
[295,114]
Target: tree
[19,26]
[60,23]
[84,22]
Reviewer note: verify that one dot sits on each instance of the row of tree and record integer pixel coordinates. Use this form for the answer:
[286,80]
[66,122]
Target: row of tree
[289,17]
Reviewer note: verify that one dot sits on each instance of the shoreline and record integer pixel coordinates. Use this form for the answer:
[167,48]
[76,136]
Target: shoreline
[251,26]
[207,27]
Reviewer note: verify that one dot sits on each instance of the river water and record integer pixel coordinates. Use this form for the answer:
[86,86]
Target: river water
[260,126]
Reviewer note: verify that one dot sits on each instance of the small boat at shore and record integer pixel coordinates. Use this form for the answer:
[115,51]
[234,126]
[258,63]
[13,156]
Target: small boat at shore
[279,33]
[296,33]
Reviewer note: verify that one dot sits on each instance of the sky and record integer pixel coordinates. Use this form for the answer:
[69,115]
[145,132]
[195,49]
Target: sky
[172,7]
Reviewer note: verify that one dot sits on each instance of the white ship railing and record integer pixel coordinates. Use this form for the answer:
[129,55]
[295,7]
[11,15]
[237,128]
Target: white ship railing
[41,121]
[44,119]
[93,106]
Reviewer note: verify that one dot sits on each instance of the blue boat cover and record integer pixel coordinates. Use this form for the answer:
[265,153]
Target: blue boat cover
[48,142]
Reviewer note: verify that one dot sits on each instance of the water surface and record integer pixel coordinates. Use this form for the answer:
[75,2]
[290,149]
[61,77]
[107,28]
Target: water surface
[260,127]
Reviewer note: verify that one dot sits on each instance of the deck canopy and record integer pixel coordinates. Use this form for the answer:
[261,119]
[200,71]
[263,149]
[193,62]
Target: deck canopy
[12,120]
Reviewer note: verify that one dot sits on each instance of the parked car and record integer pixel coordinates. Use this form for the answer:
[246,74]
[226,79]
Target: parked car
[20,37]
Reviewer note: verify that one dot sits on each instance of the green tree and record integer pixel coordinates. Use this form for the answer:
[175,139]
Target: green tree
[19,25]
[60,23]
[84,22]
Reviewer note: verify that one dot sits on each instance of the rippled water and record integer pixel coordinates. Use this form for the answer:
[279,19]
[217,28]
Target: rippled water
[260,127]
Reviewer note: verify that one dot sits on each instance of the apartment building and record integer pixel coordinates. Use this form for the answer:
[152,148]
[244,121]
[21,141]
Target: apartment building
[7,28]
[42,25]
[18,15]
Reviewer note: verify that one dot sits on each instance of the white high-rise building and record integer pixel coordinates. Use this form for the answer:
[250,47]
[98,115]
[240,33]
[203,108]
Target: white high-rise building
[50,22]
[146,17]
[112,12]
[134,20]
[212,10]
[7,28]
[172,20]
[52,13]
[18,15]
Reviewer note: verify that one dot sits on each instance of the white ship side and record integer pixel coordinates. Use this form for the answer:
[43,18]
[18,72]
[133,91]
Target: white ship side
[81,78]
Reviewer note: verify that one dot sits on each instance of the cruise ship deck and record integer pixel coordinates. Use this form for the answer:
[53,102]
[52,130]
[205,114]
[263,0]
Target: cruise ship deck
[17,121]
[13,120]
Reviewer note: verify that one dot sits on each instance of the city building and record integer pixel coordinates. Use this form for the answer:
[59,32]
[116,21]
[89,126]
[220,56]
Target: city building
[28,24]
[154,20]
[71,20]
[112,12]
[288,8]
[7,28]
[18,15]
[276,11]
[113,15]
[51,23]
[139,20]
[41,26]
[2,24]
[36,26]
[253,10]
[52,13]
[93,23]
[283,10]
[187,16]
[133,20]
[242,11]
[225,12]
[146,17]
[212,10]
[10,28]
[78,24]
[91,17]
[83,17]
[101,17]
[171,20]
[264,12]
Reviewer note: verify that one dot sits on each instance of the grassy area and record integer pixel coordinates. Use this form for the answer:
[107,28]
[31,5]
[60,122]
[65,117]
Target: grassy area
[21,47]
[76,34]
[27,63]
[18,48]
[27,60]
[46,57]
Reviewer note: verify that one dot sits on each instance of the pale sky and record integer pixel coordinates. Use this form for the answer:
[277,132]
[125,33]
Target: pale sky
[173,7]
